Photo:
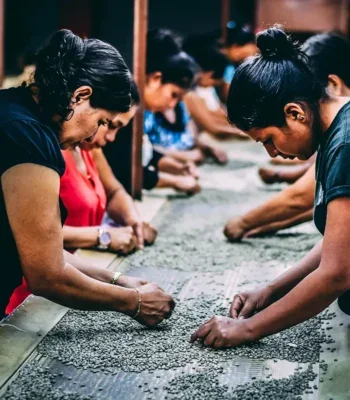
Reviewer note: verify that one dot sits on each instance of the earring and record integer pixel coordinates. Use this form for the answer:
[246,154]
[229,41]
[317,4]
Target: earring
[301,118]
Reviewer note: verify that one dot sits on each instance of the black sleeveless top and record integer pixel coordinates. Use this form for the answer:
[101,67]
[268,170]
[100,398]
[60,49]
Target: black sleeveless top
[25,137]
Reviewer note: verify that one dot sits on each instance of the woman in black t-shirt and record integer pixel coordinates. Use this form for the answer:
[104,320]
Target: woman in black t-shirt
[79,86]
[277,101]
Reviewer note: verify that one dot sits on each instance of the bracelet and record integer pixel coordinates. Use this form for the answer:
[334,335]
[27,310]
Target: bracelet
[139,303]
[116,276]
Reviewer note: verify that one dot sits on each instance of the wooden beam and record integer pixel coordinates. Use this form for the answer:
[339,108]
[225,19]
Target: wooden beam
[225,17]
[139,69]
[2,34]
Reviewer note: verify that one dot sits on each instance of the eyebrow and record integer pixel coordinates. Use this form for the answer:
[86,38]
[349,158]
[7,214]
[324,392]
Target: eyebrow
[115,126]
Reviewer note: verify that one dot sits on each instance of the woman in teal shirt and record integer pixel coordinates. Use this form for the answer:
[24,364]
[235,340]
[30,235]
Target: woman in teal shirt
[277,101]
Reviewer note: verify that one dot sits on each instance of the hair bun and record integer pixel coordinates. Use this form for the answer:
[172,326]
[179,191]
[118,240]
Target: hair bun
[274,43]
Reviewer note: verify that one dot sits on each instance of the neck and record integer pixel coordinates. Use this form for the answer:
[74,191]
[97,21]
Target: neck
[329,108]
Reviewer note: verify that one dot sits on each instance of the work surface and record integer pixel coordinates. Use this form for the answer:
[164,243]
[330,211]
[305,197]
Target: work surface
[103,355]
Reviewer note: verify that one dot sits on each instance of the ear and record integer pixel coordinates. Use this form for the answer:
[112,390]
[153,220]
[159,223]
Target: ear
[335,85]
[154,80]
[81,94]
[294,112]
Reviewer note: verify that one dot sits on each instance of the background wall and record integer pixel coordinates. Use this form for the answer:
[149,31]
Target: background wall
[27,24]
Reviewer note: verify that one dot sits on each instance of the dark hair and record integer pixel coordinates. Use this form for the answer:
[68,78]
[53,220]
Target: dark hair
[67,62]
[205,52]
[238,35]
[164,54]
[265,83]
[135,95]
[328,53]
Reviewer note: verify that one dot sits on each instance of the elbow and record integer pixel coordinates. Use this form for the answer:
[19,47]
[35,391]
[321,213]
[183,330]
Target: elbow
[339,279]
[43,285]
[39,288]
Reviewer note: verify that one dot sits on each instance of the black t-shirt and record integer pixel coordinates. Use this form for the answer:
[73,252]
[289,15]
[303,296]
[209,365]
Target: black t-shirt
[25,137]
[333,166]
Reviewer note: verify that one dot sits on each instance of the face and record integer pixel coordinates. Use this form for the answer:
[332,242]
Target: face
[298,138]
[206,79]
[85,122]
[109,129]
[238,54]
[160,97]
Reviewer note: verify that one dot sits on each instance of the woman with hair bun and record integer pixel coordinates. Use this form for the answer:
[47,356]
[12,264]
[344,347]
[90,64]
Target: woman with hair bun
[277,101]
[79,87]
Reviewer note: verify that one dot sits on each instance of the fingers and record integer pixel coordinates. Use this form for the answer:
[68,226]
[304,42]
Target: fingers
[247,310]
[138,231]
[236,306]
[201,333]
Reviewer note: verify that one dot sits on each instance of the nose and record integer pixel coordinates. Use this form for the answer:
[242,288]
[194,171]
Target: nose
[271,150]
[110,136]
[172,103]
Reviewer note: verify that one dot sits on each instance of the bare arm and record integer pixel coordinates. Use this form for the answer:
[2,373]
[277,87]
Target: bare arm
[287,223]
[321,287]
[289,203]
[101,274]
[120,207]
[187,184]
[35,222]
[195,155]
[205,118]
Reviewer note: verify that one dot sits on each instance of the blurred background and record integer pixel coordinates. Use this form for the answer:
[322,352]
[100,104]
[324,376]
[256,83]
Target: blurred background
[28,23]
[25,25]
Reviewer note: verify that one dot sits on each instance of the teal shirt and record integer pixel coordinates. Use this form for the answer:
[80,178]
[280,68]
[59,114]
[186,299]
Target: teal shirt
[333,166]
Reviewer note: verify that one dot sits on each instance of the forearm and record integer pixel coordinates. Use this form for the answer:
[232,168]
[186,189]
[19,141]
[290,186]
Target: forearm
[80,237]
[285,205]
[121,208]
[171,165]
[287,223]
[166,180]
[101,274]
[183,156]
[293,276]
[316,292]
[71,288]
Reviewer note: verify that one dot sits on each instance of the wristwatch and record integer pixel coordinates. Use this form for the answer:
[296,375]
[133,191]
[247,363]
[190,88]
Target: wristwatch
[104,239]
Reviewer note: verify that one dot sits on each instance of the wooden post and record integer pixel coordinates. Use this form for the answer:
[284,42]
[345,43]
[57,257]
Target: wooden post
[225,17]
[2,34]
[139,70]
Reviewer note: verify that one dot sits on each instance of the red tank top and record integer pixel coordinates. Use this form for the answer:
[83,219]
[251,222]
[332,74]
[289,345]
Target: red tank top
[85,200]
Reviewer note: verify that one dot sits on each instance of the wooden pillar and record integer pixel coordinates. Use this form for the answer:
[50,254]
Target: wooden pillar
[2,45]
[225,17]
[139,70]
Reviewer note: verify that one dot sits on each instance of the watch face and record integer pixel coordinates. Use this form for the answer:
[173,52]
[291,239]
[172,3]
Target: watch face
[105,238]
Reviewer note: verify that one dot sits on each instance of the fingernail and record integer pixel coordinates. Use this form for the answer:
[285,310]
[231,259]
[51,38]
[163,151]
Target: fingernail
[242,317]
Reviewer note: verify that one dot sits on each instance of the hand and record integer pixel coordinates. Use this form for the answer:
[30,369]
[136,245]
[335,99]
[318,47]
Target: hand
[187,184]
[190,169]
[196,156]
[138,230]
[123,239]
[156,305]
[149,233]
[246,304]
[219,155]
[131,282]
[268,175]
[223,332]
[235,229]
